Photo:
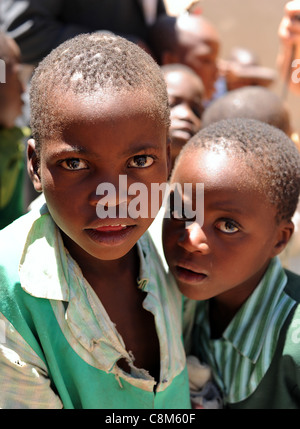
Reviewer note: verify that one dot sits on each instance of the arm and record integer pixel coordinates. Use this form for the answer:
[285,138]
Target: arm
[289,54]
[24,377]
[35,26]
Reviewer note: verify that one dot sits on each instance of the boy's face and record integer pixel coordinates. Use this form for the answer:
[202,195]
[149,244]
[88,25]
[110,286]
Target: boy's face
[202,56]
[229,254]
[103,137]
[185,93]
[11,90]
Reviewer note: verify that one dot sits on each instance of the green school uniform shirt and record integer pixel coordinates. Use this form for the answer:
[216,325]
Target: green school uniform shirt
[256,362]
[11,173]
[58,346]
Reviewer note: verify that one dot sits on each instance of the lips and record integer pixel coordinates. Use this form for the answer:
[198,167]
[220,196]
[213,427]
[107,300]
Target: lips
[189,274]
[111,228]
[110,235]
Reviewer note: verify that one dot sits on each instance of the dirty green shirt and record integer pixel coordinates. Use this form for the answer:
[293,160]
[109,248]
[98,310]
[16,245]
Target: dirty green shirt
[58,346]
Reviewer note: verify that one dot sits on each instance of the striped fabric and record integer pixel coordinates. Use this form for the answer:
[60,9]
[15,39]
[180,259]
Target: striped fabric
[241,357]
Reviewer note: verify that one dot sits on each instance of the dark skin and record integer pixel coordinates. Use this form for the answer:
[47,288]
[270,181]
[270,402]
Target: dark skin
[224,259]
[90,150]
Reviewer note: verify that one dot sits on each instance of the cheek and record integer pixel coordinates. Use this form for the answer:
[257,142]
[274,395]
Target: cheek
[170,236]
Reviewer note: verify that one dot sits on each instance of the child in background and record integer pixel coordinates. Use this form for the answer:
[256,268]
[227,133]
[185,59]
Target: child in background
[261,104]
[11,136]
[252,102]
[243,68]
[185,94]
[191,40]
[289,48]
[247,319]
[90,319]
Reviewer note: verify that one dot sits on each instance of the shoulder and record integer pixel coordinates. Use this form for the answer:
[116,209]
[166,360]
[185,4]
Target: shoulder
[293,285]
[292,341]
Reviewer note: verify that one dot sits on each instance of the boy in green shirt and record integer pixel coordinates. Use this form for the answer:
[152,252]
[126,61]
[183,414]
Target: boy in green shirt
[11,136]
[89,319]
[246,326]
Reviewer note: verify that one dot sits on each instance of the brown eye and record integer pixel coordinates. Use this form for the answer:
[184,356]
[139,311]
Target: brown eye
[227,226]
[141,161]
[74,164]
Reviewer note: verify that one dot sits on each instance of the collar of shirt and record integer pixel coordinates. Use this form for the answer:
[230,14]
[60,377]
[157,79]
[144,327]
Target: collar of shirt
[84,321]
[241,357]
[248,330]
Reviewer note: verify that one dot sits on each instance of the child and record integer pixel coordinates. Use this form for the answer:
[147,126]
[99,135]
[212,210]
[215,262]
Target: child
[242,68]
[191,40]
[247,319]
[11,136]
[253,102]
[185,93]
[89,319]
[289,48]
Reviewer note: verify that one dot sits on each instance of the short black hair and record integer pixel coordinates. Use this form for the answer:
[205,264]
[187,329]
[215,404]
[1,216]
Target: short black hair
[89,63]
[268,151]
[253,102]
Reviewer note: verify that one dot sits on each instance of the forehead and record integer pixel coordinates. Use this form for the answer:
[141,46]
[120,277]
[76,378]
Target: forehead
[103,123]
[197,34]
[109,105]
[179,78]
[216,169]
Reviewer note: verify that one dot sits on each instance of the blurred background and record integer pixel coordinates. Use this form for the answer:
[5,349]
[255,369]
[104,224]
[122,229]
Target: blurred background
[251,24]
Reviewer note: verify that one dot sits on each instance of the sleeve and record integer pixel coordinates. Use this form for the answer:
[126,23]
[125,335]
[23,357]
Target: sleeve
[24,377]
[35,26]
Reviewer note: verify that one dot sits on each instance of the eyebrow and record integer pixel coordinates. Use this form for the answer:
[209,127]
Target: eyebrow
[141,148]
[131,151]
[223,206]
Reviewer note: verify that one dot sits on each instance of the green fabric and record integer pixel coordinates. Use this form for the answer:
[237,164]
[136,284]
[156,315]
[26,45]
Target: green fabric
[280,387]
[262,369]
[77,383]
[11,174]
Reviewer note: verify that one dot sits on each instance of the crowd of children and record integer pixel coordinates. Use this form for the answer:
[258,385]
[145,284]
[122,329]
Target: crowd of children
[113,296]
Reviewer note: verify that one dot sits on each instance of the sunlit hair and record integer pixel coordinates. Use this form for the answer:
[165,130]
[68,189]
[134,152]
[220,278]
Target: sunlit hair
[90,63]
[268,153]
[253,102]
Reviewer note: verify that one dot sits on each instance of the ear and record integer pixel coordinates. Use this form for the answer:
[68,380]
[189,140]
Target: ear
[33,165]
[285,232]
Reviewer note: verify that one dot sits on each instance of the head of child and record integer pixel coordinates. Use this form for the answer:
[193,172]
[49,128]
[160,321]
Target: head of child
[11,87]
[99,117]
[191,40]
[185,93]
[243,68]
[253,102]
[251,176]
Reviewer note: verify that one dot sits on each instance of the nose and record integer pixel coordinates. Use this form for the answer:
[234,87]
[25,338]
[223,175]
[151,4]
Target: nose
[109,193]
[193,239]
[184,112]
